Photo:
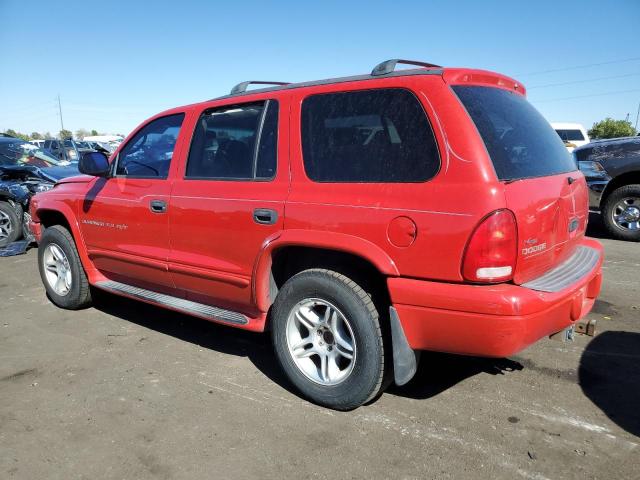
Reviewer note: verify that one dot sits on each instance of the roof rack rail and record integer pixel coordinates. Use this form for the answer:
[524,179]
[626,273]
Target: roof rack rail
[388,66]
[242,86]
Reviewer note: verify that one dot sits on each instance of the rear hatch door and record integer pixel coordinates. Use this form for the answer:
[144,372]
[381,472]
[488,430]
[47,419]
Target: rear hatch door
[542,185]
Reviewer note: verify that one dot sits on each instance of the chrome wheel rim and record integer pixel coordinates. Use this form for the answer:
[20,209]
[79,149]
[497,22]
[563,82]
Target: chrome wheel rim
[57,270]
[6,227]
[626,213]
[320,341]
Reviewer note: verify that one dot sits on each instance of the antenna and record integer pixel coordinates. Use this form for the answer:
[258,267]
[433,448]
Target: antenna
[60,110]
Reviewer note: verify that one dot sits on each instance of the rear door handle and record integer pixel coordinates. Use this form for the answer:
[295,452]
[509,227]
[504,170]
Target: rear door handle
[158,206]
[265,216]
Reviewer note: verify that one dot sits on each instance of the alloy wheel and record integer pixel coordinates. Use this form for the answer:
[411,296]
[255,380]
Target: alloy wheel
[321,341]
[57,269]
[6,227]
[626,213]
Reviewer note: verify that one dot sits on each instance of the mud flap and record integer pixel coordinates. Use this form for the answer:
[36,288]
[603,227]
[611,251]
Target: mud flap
[405,359]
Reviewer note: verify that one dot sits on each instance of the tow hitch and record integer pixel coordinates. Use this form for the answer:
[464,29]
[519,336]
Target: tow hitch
[583,327]
[586,327]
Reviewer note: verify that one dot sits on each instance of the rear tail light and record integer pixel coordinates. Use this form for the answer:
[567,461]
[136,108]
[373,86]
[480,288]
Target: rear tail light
[491,253]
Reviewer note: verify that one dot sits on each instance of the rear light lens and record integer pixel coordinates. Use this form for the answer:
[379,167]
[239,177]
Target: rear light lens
[491,253]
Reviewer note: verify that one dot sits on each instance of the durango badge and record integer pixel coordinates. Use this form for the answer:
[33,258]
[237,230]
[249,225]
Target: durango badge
[534,249]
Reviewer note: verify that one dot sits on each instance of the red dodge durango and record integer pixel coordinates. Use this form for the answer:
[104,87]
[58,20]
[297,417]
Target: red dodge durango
[359,220]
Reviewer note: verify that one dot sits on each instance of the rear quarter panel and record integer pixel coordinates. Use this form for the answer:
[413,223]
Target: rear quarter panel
[444,209]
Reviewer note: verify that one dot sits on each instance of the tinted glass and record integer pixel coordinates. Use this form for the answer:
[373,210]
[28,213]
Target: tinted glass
[149,152]
[367,136]
[520,142]
[229,143]
[568,135]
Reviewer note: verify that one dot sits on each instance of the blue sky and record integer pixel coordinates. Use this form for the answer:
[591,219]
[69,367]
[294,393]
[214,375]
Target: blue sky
[115,63]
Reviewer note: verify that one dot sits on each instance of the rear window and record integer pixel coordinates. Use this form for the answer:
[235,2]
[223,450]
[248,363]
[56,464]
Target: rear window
[519,140]
[569,135]
[368,136]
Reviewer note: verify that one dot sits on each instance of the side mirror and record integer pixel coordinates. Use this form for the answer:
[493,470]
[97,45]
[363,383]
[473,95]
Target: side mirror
[94,163]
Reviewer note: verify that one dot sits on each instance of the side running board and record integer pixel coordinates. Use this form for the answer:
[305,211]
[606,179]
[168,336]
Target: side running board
[187,306]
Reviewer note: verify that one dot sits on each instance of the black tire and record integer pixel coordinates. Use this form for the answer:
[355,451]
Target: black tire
[365,380]
[608,211]
[79,294]
[11,224]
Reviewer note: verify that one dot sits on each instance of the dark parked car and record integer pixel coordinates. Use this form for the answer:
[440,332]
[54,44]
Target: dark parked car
[24,171]
[612,169]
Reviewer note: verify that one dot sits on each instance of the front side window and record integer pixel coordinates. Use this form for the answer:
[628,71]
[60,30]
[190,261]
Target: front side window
[148,154]
[368,136]
[237,142]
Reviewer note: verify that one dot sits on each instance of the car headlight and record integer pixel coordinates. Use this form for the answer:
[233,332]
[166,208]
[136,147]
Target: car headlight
[42,187]
[592,169]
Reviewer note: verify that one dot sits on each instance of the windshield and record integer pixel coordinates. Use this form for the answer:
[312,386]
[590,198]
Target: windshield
[520,142]
[569,135]
[23,153]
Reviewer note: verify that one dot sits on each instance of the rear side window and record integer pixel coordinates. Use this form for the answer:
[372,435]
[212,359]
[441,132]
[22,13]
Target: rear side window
[569,135]
[148,154]
[237,142]
[520,142]
[369,136]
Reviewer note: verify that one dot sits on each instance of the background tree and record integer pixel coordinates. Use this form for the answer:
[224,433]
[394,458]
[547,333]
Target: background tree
[81,133]
[94,133]
[48,136]
[64,134]
[36,136]
[12,133]
[610,128]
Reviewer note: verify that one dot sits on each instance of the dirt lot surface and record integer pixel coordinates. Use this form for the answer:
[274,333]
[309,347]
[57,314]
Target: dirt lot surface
[125,390]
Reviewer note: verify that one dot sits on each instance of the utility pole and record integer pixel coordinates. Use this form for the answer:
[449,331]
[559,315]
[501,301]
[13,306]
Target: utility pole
[60,110]
[637,115]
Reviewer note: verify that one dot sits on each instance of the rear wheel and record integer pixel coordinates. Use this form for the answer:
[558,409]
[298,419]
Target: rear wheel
[327,336]
[10,227]
[621,213]
[61,270]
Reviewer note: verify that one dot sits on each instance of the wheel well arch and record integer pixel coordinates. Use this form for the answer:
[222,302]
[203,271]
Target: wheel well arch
[621,180]
[48,218]
[287,260]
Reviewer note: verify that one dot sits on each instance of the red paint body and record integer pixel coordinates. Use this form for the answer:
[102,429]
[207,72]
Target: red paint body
[207,247]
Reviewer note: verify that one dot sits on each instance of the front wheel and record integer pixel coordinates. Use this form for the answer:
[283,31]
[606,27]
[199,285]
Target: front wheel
[621,213]
[10,227]
[61,270]
[327,337]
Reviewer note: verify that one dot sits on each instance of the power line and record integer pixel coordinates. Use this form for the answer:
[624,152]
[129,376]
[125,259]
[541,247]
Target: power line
[576,67]
[588,96]
[583,81]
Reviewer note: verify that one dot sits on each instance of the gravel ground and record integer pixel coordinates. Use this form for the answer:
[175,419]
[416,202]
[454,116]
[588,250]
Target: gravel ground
[126,390]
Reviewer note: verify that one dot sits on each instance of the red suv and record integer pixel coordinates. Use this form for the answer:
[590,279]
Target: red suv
[359,219]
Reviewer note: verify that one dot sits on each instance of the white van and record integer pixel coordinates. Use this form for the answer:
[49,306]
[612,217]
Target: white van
[572,134]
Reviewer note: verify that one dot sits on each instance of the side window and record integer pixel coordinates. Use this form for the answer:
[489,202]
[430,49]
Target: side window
[148,154]
[368,136]
[237,142]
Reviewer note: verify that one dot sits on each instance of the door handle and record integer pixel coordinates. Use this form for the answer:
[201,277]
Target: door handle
[158,206]
[265,216]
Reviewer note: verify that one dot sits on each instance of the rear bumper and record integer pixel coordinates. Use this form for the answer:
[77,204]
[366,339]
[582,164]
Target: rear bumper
[492,320]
